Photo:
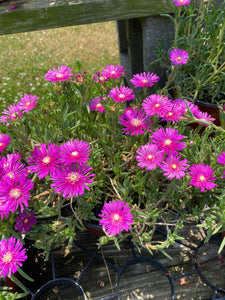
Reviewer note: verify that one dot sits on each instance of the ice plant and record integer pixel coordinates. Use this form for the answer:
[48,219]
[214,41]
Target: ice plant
[74,151]
[174,167]
[99,77]
[11,114]
[221,160]
[135,122]
[115,217]
[27,102]
[179,56]
[12,255]
[44,159]
[156,104]
[5,140]
[63,73]
[95,104]
[201,177]
[169,140]
[121,94]
[24,221]
[143,80]
[111,71]
[15,194]
[11,167]
[71,180]
[149,156]
[181,2]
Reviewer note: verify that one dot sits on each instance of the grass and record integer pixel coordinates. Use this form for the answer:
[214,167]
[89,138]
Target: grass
[26,57]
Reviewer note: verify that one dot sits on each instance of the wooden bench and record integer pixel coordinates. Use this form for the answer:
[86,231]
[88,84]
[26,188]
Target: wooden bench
[139,22]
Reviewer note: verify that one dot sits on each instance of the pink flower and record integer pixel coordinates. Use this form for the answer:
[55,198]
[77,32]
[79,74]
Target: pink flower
[135,122]
[24,221]
[95,104]
[174,114]
[202,176]
[62,74]
[79,77]
[181,2]
[111,71]
[74,151]
[12,168]
[183,107]
[71,180]
[149,156]
[11,256]
[121,94]
[5,140]
[168,140]
[221,160]
[15,193]
[115,217]
[178,56]
[27,102]
[156,104]
[204,117]
[99,77]
[142,80]
[174,167]
[44,160]
[11,114]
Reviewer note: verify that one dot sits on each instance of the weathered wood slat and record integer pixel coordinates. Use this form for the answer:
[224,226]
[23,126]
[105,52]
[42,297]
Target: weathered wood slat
[33,15]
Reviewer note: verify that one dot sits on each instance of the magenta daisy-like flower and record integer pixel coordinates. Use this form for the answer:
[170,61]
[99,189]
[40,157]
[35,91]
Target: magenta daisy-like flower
[27,102]
[202,177]
[71,180]
[11,114]
[221,160]
[24,221]
[4,210]
[12,168]
[174,167]
[44,160]
[115,217]
[121,94]
[11,256]
[203,116]
[181,2]
[142,80]
[15,194]
[183,107]
[99,77]
[149,156]
[173,114]
[111,71]
[135,122]
[168,140]
[5,140]
[156,104]
[178,56]
[74,151]
[95,104]
[63,73]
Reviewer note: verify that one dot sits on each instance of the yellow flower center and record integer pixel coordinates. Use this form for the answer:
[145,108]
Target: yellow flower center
[121,96]
[144,80]
[174,166]
[46,160]
[135,122]
[28,103]
[116,217]
[202,178]
[10,175]
[167,142]
[178,58]
[15,193]
[1,144]
[74,153]
[157,105]
[113,72]
[150,157]
[170,114]
[59,75]
[26,221]
[7,257]
[73,177]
